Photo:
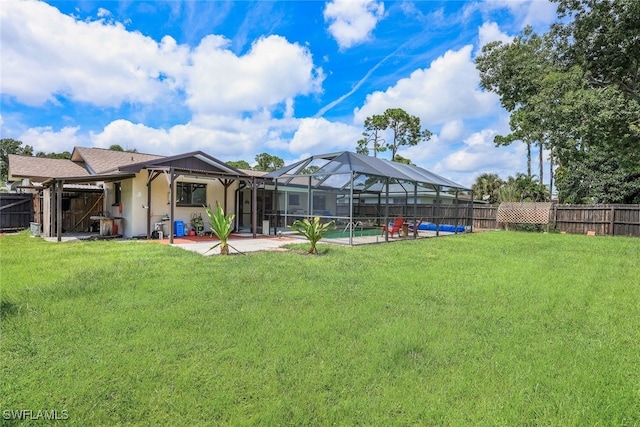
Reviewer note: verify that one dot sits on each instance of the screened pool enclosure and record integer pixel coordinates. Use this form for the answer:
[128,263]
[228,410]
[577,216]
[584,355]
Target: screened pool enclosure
[364,195]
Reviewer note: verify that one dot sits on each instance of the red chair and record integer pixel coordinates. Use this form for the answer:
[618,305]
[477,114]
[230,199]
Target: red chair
[395,227]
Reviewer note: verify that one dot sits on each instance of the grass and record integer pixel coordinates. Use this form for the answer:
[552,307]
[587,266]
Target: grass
[495,328]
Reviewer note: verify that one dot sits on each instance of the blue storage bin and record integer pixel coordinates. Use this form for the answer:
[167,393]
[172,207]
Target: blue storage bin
[178,228]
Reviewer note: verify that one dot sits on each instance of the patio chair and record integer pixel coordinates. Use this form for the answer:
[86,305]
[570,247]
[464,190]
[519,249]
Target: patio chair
[415,226]
[396,227]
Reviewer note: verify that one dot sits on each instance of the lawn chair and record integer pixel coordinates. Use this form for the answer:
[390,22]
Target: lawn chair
[415,227]
[396,227]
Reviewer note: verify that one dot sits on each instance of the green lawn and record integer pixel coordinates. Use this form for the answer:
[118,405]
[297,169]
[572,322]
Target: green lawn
[496,328]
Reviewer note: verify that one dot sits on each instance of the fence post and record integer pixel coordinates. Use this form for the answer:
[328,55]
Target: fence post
[612,221]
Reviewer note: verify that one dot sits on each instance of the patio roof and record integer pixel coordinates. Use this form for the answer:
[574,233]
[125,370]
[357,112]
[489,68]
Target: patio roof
[320,167]
[193,163]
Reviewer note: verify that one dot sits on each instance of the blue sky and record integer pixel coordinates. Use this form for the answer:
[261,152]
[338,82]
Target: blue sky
[235,79]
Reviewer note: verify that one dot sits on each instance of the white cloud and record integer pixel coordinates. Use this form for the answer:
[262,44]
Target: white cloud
[352,21]
[525,12]
[234,141]
[318,135]
[48,140]
[447,90]
[489,32]
[479,155]
[452,130]
[272,72]
[48,54]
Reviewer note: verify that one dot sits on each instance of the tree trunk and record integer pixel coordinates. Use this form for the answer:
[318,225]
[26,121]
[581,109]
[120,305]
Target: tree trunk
[541,162]
[528,159]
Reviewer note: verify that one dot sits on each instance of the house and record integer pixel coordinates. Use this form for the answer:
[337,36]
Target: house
[134,193]
[143,195]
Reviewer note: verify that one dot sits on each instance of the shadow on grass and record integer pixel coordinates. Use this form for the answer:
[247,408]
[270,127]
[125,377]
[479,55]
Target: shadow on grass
[7,309]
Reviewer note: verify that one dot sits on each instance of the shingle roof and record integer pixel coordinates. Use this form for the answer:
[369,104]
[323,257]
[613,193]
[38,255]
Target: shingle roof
[101,160]
[41,168]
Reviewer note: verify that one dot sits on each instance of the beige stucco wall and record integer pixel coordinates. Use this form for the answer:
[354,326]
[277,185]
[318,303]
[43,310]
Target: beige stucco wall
[134,203]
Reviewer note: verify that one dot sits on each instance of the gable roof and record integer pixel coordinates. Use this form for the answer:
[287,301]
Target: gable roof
[102,160]
[42,168]
[195,161]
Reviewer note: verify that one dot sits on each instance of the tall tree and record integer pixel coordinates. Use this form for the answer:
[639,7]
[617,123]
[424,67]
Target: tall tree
[373,128]
[523,188]
[405,129]
[403,160]
[11,146]
[239,164]
[575,89]
[52,155]
[268,163]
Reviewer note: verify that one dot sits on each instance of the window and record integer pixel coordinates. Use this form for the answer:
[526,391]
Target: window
[191,194]
[117,191]
[319,203]
[294,199]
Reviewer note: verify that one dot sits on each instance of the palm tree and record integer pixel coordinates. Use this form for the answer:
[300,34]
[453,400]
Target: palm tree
[486,187]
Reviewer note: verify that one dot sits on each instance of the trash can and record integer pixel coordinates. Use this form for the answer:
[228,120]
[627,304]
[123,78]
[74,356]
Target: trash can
[35,229]
[265,227]
[178,228]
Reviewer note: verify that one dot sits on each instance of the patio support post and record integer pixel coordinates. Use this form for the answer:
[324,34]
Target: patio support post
[386,210]
[310,199]
[149,179]
[437,211]
[172,197]
[457,213]
[52,210]
[59,186]
[415,210]
[225,183]
[254,207]
[353,225]
[276,210]
[470,212]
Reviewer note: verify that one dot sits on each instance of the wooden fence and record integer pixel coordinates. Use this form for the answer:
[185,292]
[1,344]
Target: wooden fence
[485,217]
[16,211]
[610,219]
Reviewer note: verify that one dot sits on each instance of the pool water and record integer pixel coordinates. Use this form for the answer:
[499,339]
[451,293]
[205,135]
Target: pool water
[337,234]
